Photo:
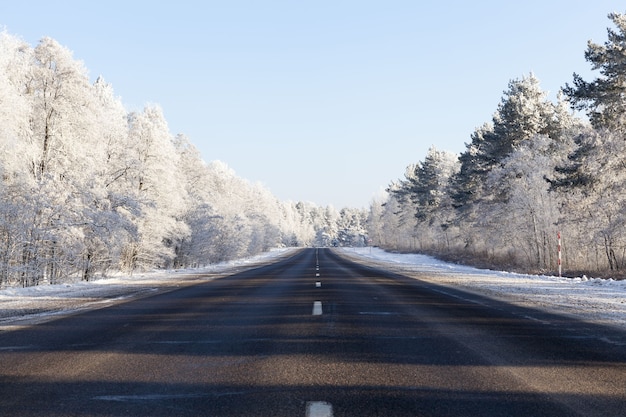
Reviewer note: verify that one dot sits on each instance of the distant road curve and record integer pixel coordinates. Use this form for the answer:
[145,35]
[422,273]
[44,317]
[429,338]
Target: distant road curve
[313,335]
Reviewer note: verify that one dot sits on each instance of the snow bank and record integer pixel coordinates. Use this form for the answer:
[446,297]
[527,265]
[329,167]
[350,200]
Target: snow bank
[598,300]
[29,305]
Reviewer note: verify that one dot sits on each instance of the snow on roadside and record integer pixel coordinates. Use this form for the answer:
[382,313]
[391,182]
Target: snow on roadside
[34,304]
[598,300]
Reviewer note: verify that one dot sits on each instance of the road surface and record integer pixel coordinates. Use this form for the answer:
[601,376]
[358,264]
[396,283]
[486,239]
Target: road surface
[313,335]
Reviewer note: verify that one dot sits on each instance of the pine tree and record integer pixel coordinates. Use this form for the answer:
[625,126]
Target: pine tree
[426,186]
[523,113]
[467,182]
[604,98]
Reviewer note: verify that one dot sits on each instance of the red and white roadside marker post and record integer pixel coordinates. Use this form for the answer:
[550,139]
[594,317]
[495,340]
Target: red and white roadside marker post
[558,236]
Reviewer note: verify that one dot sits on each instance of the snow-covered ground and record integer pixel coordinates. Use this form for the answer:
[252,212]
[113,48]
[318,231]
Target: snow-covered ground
[21,306]
[598,300]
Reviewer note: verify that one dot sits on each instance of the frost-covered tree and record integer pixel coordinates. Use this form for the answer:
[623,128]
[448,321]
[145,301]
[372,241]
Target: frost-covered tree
[523,216]
[523,112]
[466,183]
[325,223]
[86,187]
[155,181]
[604,98]
[298,225]
[62,153]
[592,183]
[425,193]
[109,207]
[15,60]
[351,227]
[193,249]
[428,187]
[62,112]
[253,219]
[396,222]
[592,177]
[374,223]
[493,202]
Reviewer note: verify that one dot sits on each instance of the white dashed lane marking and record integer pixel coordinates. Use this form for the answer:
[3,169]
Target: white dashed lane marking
[317,308]
[319,409]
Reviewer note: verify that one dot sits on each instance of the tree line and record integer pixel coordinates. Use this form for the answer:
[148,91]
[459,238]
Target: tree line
[87,187]
[537,168]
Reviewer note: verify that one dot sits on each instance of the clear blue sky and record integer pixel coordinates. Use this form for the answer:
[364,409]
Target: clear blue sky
[323,101]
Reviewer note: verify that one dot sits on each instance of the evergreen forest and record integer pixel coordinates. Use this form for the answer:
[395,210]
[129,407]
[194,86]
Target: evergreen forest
[537,170]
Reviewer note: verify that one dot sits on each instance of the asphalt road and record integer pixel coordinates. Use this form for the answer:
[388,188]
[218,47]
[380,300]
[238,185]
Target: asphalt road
[313,335]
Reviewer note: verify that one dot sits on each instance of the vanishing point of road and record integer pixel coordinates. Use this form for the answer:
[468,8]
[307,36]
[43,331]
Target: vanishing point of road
[313,335]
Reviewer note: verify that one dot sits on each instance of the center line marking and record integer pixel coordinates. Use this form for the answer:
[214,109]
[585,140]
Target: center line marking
[319,409]
[317,308]
[318,284]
